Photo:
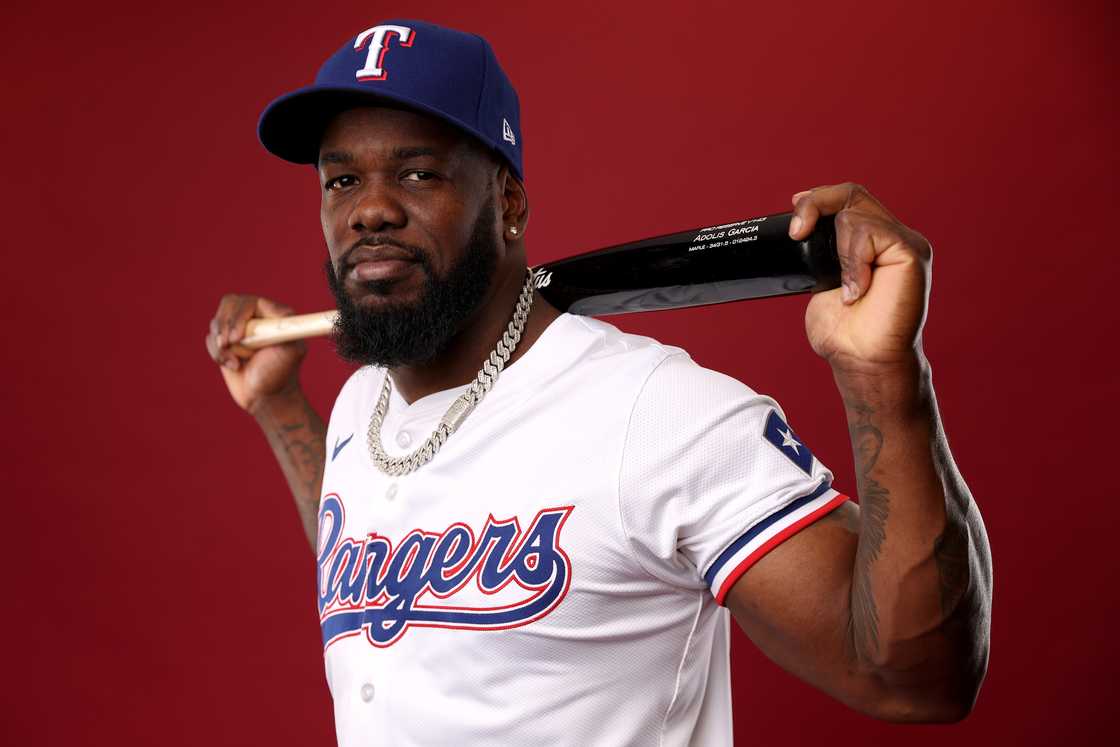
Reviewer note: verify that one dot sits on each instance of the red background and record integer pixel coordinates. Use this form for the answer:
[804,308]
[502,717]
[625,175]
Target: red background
[158,588]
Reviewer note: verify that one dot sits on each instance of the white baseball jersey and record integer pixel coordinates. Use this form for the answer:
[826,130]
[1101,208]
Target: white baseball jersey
[555,574]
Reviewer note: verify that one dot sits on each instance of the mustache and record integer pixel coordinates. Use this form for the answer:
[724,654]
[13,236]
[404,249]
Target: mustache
[414,252]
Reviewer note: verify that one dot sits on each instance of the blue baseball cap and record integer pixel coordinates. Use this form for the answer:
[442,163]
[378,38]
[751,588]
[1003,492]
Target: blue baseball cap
[448,74]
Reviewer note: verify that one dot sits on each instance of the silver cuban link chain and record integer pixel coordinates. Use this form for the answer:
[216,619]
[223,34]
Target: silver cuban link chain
[461,407]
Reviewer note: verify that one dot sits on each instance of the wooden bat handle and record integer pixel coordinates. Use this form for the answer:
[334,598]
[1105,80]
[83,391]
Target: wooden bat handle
[262,332]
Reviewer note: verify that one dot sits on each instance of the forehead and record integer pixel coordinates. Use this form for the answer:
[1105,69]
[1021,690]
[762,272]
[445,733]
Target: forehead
[381,128]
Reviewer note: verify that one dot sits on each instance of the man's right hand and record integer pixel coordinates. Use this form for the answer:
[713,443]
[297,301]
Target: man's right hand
[253,376]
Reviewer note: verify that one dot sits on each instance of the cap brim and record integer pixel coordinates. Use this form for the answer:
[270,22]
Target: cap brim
[292,126]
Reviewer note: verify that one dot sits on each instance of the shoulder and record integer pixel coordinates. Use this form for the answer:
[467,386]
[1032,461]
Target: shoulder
[668,365]
[687,415]
[679,390]
[644,373]
[580,356]
[683,381]
[601,338]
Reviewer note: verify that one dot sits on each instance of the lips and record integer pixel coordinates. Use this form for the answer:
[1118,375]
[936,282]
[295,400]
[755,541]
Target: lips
[378,262]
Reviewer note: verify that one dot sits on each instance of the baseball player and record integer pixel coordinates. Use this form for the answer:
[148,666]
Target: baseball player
[531,527]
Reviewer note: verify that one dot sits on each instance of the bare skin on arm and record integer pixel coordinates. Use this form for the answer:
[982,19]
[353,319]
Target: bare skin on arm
[265,383]
[885,605]
[297,436]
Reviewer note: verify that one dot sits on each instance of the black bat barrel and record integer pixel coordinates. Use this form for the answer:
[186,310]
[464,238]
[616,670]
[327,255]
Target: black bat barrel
[753,258]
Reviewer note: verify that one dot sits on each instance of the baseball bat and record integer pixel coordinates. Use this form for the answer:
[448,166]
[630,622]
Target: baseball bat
[752,258]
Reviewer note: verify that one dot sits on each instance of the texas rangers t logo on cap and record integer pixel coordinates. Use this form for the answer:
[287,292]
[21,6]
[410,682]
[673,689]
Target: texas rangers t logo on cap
[378,40]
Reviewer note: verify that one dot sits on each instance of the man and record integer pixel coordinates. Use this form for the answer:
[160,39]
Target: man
[542,550]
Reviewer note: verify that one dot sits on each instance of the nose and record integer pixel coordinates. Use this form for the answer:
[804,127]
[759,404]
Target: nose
[376,210]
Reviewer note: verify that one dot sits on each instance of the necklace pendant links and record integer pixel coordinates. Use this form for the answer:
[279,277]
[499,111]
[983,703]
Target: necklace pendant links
[458,412]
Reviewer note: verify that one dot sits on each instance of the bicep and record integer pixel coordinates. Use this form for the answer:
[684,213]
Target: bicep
[794,604]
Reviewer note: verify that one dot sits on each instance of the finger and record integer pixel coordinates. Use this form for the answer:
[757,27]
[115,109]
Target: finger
[223,356]
[811,204]
[226,307]
[860,239]
[258,308]
[212,340]
[833,198]
[219,330]
[240,351]
[254,307]
[269,309]
[242,313]
[219,353]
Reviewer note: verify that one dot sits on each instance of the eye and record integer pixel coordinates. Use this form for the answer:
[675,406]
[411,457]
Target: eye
[419,175]
[337,182]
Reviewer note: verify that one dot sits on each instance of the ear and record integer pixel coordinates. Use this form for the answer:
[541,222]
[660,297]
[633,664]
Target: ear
[515,205]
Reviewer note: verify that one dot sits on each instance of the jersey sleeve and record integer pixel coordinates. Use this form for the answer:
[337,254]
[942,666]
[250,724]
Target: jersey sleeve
[713,477]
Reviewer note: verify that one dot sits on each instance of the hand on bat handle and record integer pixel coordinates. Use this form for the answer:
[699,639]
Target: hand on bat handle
[264,369]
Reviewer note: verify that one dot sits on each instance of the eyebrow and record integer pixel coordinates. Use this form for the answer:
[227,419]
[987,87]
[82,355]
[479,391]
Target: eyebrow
[399,154]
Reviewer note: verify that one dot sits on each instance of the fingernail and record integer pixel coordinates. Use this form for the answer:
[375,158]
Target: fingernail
[850,292]
[229,364]
[795,225]
[799,195]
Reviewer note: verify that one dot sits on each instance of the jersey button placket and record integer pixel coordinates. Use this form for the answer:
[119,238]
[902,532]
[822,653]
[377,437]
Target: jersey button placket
[404,439]
[391,492]
[367,692]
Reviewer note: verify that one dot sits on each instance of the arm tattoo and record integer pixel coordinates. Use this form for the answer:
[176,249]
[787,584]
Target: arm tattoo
[303,442]
[874,502]
[299,442]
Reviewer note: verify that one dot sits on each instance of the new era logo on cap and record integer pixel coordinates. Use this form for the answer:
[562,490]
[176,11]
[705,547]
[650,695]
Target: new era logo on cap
[434,70]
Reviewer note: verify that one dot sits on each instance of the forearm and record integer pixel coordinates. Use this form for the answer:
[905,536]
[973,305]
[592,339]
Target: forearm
[297,436]
[921,583]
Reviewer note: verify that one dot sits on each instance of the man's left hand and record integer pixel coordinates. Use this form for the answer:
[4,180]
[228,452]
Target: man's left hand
[874,320]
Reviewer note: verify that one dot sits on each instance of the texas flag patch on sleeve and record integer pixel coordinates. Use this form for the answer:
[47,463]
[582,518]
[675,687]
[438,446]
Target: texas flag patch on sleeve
[778,433]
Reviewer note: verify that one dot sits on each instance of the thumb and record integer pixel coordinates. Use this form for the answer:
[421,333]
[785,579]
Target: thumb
[268,309]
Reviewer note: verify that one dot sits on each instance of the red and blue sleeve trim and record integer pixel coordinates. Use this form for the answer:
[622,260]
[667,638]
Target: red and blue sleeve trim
[768,534]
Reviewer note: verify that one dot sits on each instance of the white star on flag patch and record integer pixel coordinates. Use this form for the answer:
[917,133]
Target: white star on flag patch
[787,442]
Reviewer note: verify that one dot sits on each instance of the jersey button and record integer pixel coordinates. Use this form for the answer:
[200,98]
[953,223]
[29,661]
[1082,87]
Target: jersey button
[367,692]
[404,438]
[391,492]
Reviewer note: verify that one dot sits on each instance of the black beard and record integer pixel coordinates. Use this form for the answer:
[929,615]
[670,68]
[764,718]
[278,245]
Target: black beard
[403,334]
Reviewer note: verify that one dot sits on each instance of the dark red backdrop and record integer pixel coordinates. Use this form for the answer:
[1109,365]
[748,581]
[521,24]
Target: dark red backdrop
[158,589]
